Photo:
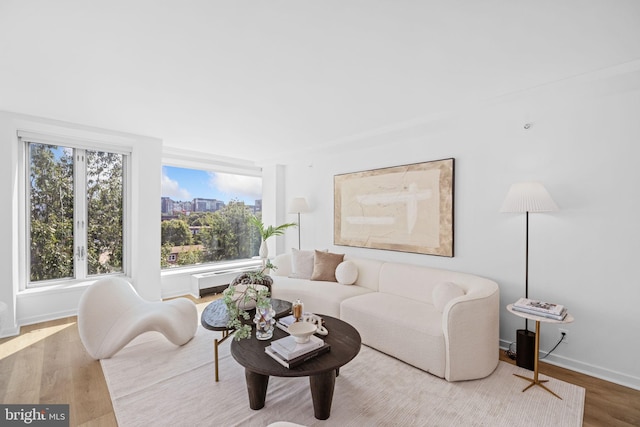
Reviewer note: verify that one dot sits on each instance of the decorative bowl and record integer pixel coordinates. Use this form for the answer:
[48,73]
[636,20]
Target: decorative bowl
[301,331]
[240,291]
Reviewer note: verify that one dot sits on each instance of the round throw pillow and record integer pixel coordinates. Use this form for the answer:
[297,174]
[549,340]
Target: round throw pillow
[445,292]
[346,273]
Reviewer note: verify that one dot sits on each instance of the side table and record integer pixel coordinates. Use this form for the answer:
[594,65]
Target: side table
[538,319]
[215,317]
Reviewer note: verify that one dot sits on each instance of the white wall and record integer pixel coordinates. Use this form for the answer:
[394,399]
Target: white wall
[584,146]
[36,305]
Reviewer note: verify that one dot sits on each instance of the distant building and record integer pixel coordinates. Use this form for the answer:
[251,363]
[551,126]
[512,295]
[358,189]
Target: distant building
[182,207]
[174,256]
[197,229]
[207,205]
[166,206]
[172,208]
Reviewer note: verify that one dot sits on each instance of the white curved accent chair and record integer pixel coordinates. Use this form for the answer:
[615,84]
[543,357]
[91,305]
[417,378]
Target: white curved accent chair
[111,314]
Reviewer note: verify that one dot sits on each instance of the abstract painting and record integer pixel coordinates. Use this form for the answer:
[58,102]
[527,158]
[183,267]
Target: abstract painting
[405,208]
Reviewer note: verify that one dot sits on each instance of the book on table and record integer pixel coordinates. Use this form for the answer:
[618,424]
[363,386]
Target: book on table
[284,322]
[292,363]
[539,306]
[560,316]
[289,349]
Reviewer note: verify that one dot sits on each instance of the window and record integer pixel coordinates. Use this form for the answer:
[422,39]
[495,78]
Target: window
[75,212]
[205,216]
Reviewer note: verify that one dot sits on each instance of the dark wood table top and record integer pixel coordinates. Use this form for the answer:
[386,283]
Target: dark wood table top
[215,316]
[345,345]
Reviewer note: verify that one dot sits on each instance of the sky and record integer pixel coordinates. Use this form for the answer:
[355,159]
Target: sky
[182,184]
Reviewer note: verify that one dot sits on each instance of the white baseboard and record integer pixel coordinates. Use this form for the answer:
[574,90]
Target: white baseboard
[175,293]
[24,321]
[587,369]
[9,332]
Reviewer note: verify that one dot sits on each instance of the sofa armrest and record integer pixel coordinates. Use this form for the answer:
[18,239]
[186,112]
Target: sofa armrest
[471,332]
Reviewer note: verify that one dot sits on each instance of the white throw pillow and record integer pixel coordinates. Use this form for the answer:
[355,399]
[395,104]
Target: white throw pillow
[347,273]
[445,292]
[301,263]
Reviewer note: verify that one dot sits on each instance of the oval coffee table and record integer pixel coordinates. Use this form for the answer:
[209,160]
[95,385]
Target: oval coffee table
[322,370]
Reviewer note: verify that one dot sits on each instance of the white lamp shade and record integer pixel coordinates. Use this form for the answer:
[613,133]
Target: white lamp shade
[528,197]
[298,205]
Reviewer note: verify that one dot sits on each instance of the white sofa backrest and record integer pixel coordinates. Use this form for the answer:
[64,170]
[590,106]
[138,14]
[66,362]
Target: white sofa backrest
[409,281]
[406,280]
[283,264]
[368,272]
[417,282]
[368,269]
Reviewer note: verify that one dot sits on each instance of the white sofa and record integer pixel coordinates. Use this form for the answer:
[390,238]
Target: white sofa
[443,322]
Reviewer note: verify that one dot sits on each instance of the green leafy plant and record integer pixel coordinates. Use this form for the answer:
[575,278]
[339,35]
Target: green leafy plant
[266,232]
[239,318]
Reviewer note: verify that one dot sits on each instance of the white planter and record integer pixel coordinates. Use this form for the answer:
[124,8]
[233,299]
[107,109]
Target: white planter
[264,250]
[239,293]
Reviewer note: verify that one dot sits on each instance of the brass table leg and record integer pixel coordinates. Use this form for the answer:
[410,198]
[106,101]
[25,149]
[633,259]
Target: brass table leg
[535,380]
[216,342]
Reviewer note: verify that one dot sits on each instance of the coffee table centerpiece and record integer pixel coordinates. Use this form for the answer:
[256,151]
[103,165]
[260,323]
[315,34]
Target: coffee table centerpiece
[252,290]
[248,291]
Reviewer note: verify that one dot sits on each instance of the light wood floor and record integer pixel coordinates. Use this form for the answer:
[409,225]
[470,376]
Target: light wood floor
[47,363]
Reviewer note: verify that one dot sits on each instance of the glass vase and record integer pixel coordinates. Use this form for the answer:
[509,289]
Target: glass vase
[265,321]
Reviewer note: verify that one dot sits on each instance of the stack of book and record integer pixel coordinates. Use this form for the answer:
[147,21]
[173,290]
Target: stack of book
[284,322]
[539,308]
[290,353]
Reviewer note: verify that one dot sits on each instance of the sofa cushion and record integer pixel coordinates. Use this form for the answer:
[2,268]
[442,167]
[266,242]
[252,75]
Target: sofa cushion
[324,266]
[403,328]
[368,272]
[445,292]
[347,273]
[301,263]
[318,297]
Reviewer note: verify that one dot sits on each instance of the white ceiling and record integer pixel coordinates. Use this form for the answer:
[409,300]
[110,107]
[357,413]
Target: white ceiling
[250,79]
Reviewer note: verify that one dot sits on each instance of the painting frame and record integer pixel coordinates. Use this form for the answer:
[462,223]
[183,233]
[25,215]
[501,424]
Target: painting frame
[407,208]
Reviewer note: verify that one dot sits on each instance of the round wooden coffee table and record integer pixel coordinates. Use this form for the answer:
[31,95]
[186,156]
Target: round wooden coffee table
[322,370]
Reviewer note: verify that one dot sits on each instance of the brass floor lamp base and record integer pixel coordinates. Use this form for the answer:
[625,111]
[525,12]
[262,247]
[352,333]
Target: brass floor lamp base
[536,382]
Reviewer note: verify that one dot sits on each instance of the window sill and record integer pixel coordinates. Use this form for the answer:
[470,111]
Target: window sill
[65,286]
[210,268]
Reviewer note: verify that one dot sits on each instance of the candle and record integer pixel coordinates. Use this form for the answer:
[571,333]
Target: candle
[297,309]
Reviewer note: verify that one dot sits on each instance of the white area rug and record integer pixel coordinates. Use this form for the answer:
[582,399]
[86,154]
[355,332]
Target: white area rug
[153,382]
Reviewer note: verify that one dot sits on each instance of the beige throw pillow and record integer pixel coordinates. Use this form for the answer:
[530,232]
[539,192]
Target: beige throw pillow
[324,266]
[301,264]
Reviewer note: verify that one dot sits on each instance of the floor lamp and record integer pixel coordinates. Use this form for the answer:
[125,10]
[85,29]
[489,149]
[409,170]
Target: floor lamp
[527,197]
[298,205]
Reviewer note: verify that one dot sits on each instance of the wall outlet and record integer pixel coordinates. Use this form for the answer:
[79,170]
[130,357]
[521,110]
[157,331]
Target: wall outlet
[566,335]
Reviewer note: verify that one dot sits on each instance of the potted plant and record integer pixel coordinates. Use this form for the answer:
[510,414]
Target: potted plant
[253,289]
[248,291]
[266,232]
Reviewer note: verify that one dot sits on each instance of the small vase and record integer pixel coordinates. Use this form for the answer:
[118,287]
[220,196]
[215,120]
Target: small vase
[264,250]
[264,320]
